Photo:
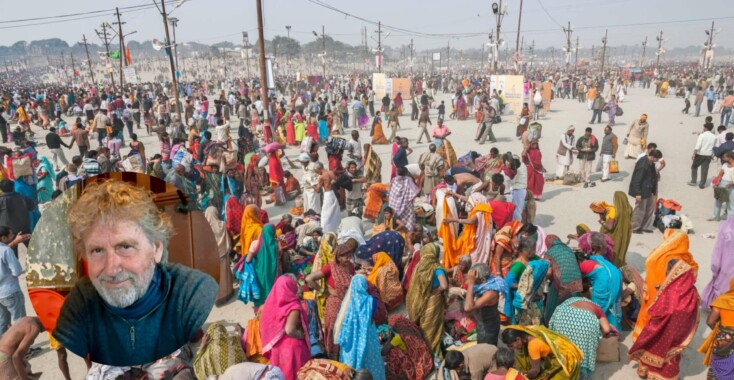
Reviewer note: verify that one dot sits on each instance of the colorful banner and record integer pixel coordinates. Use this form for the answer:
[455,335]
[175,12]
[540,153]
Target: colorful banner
[379,84]
[401,85]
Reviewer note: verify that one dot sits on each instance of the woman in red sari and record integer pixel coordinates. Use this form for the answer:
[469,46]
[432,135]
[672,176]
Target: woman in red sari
[533,159]
[338,275]
[252,183]
[312,128]
[410,361]
[672,324]
[290,130]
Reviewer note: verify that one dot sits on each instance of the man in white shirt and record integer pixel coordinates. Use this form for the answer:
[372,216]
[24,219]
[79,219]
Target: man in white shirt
[702,155]
[354,147]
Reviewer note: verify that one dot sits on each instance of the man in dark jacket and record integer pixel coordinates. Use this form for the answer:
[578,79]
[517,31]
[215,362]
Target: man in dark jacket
[643,187]
[587,146]
[15,209]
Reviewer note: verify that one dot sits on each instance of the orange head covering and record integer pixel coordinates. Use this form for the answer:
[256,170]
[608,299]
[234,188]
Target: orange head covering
[251,228]
[597,207]
[381,259]
[726,300]
[674,247]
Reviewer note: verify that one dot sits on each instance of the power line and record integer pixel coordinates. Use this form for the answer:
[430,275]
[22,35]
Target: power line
[548,14]
[81,13]
[95,14]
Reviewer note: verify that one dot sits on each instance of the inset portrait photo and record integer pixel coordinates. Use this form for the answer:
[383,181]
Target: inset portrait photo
[137,267]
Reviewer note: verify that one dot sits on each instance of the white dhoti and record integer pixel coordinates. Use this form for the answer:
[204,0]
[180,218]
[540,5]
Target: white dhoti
[330,213]
[311,201]
[563,163]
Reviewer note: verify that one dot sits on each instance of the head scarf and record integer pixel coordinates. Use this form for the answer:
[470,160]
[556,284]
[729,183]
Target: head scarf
[252,227]
[550,239]
[345,248]
[283,299]
[421,283]
[222,351]
[599,206]
[381,259]
[581,229]
[219,230]
[477,199]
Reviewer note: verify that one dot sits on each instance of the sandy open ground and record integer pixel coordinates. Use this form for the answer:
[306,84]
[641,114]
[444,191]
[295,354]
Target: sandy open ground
[563,207]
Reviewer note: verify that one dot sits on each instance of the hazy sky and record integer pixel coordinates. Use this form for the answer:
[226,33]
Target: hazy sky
[209,21]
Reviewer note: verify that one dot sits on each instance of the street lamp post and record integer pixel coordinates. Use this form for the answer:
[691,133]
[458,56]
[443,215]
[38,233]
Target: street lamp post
[288,53]
[499,12]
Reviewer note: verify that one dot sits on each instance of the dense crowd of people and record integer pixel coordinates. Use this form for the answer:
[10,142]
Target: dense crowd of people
[421,273]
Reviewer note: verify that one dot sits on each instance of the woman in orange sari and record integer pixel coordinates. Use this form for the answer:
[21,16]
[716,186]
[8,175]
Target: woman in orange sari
[386,277]
[674,247]
[718,348]
[504,243]
[672,319]
[378,136]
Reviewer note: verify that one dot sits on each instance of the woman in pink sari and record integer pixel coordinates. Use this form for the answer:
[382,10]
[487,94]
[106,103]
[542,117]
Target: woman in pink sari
[290,130]
[533,159]
[285,336]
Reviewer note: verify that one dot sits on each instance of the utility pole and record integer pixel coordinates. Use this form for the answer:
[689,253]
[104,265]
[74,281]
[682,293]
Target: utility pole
[644,48]
[122,42]
[568,32]
[411,56]
[532,49]
[170,58]
[89,60]
[63,66]
[73,69]
[517,40]
[323,51]
[174,24]
[498,12]
[576,64]
[104,36]
[448,58]
[604,51]
[379,46]
[660,48]
[709,47]
[263,71]
[246,45]
[288,54]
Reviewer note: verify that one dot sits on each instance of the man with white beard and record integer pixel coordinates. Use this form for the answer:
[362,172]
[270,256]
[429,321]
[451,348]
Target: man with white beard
[133,307]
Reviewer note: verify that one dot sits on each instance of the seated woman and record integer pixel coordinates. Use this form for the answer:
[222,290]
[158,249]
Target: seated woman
[325,369]
[384,274]
[717,347]
[583,322]
[606,283]
[504,361]
[406,353]
[523,304]
[543,354]
[390,242]
[505,246]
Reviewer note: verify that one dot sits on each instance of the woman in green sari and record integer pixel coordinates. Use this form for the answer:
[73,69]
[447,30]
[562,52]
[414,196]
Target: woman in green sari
[565,275]
[265,255]
[426,298]
[616,222]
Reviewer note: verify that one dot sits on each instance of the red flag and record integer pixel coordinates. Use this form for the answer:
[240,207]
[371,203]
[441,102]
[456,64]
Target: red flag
[127,55]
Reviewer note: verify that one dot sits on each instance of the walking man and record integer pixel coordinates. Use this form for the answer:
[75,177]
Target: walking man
[393,122]
[643,187]
[726,107]
[608,153]
[702,155]
[597,106]
[54,143]
[423,121]
[698,101]
[710,99]
[587,145]
[12,302]
[487,122]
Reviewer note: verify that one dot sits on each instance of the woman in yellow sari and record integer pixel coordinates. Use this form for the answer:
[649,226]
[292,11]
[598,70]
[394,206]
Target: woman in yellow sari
[674,247]
[324,256]
[372,165]
[616,221]
[543,354]
[385,276]
[664,89]
[426,299]
[252,228]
